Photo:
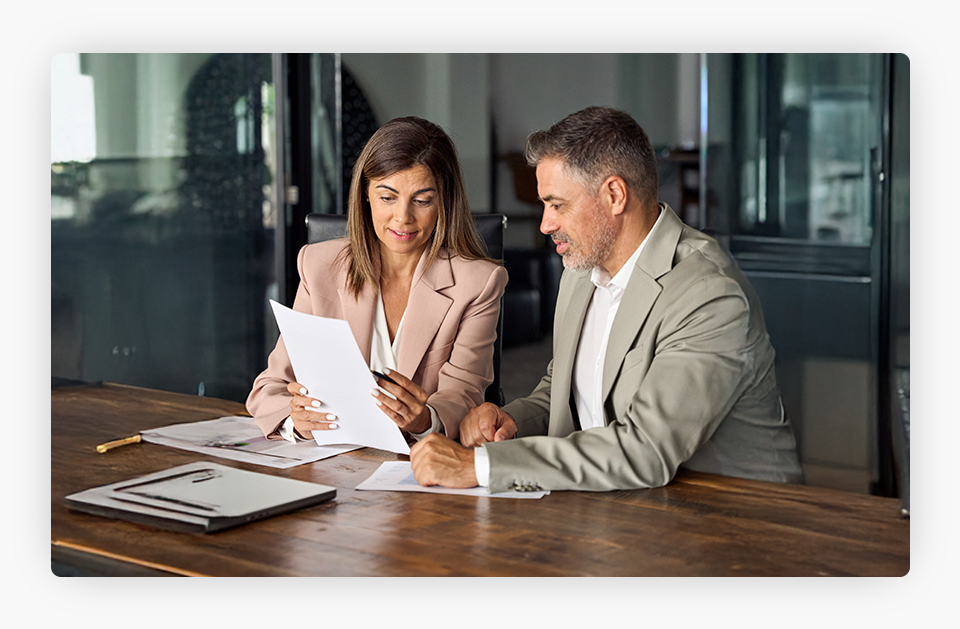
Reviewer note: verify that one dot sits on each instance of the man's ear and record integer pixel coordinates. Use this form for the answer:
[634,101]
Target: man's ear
[614,192]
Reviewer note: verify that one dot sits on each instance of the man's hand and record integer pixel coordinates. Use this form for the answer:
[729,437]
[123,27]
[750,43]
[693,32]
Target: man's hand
[486,423]
[436,460]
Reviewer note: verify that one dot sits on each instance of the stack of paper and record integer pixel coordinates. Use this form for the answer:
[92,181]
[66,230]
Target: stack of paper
[238,438]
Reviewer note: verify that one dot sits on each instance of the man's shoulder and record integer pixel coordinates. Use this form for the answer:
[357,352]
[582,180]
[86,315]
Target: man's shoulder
[694,242]
[701,272]
[700,255]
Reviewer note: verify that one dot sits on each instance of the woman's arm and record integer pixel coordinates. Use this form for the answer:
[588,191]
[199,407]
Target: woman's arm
[464,377]
[269,400]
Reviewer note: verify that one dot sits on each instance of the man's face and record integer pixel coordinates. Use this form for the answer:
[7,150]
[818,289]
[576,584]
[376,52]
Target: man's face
[573,218]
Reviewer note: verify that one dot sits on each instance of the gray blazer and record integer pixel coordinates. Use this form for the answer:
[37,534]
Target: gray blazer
[688,379]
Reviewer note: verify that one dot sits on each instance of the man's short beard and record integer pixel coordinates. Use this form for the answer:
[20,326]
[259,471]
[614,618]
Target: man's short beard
[601,244]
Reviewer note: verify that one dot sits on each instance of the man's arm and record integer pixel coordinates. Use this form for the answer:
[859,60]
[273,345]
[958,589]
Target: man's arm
[531,414]
[485,423]
[665,406]
[437,460]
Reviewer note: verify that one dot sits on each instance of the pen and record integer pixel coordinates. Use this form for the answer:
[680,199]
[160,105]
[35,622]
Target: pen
[238,446]
[380,375]
[202,474]
[103,447]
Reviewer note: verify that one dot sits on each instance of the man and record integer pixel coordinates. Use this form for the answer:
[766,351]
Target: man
[660,352]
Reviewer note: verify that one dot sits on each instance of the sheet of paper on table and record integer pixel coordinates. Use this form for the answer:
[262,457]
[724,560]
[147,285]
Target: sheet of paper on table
[398,476]
[327,361]
[238,438]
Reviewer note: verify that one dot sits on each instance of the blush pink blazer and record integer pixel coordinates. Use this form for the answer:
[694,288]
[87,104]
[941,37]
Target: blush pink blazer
[446,345]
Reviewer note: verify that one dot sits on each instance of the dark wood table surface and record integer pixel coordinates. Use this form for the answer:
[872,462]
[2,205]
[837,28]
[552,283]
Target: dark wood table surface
[698,525]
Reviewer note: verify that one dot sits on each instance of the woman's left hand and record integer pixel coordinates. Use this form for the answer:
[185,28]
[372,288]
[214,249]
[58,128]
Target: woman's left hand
[408,406]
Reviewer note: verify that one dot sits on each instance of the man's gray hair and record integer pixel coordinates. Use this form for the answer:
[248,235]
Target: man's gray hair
[595,143]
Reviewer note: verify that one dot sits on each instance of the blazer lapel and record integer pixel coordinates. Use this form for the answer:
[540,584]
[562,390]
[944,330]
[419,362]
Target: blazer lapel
[641,293]
[565,352]
[426,309]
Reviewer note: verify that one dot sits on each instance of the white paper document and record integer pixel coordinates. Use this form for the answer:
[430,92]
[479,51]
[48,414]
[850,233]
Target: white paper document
[238,438]
[398,476]
[327,361]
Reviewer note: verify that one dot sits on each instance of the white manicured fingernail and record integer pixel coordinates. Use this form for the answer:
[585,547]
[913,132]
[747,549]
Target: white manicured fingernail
[375,392]
[315,403]
[331,426]
[331,416]
[379,403]
[303,391]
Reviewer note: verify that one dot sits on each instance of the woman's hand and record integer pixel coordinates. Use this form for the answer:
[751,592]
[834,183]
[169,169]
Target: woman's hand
[408,405]
[305,421]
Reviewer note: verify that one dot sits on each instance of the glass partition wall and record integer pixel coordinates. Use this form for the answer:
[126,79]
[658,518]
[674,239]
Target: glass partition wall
[163,213]
[179,188]
[796,151]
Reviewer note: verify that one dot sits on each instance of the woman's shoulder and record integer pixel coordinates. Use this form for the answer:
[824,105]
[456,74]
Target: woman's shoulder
[484,274]
[325,252]
[482,267]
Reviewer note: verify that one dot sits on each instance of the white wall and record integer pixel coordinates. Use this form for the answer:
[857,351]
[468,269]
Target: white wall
[649,92]
[447,89]
[533,91]
[394,84]
[473,96]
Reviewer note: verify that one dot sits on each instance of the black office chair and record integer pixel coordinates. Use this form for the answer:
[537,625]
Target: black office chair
[321,227]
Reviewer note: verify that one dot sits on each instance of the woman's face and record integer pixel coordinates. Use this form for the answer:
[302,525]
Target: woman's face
[404,207]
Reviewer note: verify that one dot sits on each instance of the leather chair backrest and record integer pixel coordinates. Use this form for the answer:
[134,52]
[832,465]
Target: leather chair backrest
[323,227]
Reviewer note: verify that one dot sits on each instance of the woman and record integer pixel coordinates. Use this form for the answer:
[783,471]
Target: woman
[412,279]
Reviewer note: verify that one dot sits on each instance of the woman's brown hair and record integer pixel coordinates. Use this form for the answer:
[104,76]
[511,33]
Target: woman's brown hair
[399,145]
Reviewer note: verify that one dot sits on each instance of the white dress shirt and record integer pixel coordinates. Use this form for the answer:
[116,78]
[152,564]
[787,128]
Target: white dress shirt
[591,350]
[383,355]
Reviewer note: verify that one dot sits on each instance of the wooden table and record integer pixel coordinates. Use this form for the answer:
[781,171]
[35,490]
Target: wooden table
[700,524]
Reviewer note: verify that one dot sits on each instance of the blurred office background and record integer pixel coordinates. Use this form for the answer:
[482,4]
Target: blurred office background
[180,183]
